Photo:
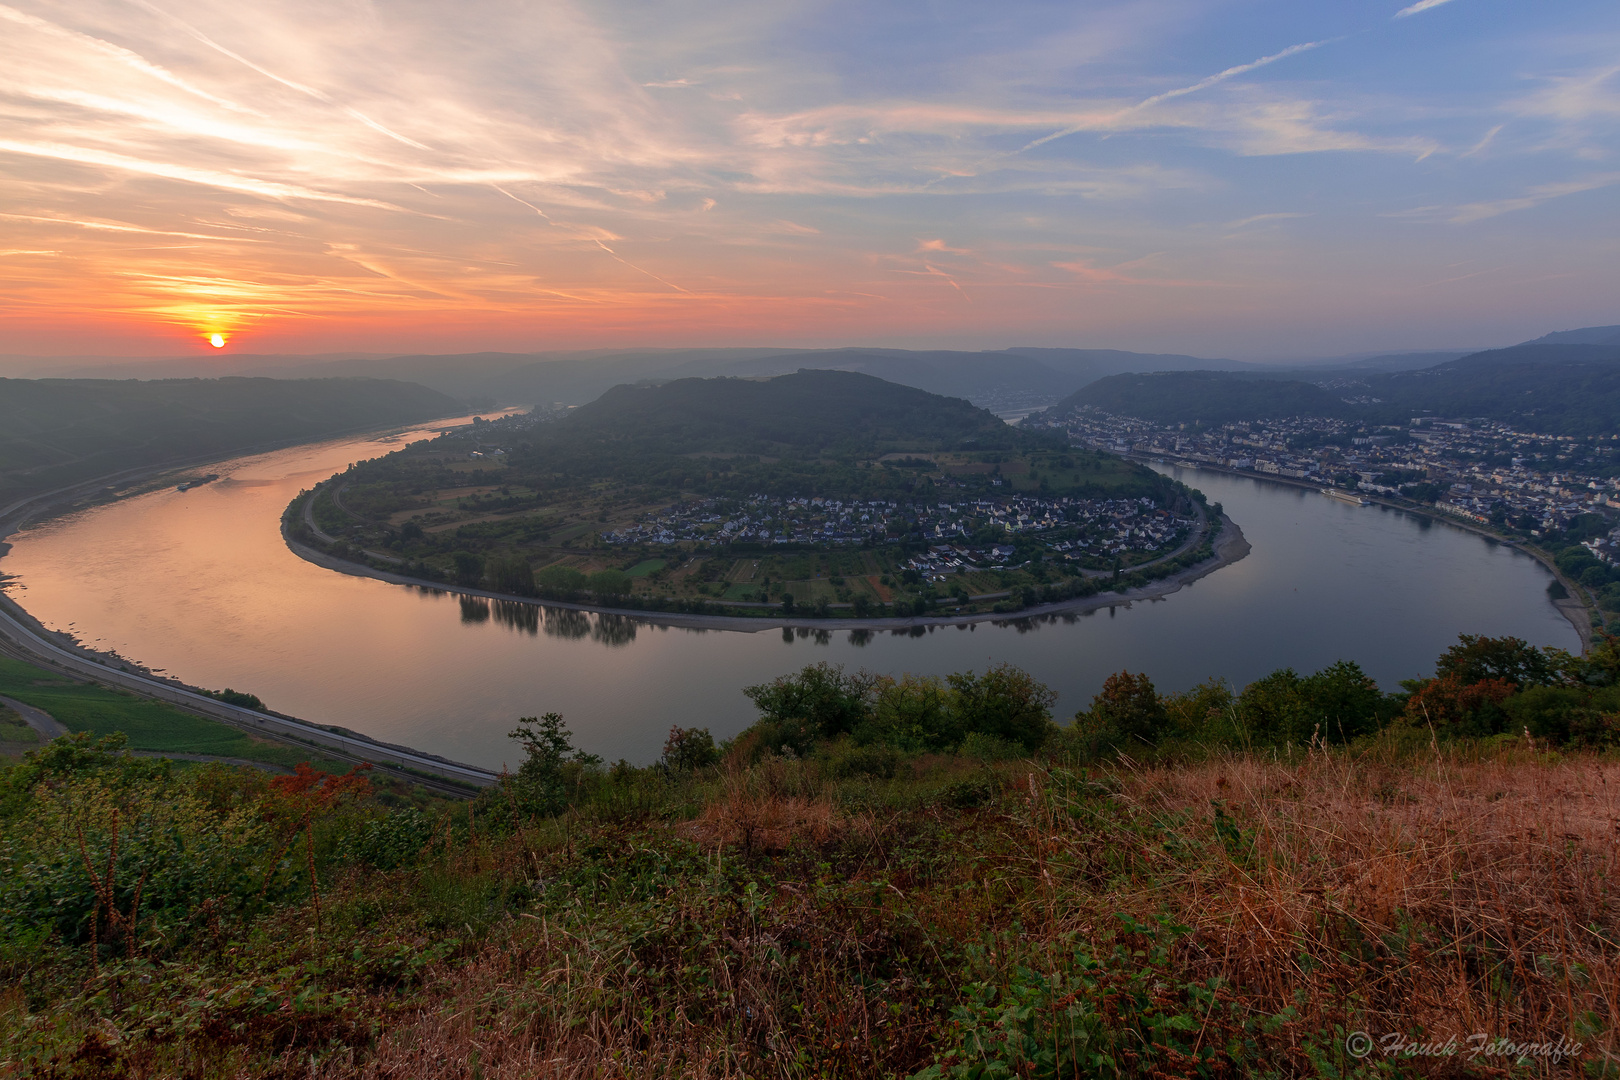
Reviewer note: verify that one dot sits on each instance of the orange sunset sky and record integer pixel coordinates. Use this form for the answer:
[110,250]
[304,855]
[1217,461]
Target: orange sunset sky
[1252,179]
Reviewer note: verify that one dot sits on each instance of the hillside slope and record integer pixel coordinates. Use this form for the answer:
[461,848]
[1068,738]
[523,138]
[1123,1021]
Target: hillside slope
[55,432]
[1559,389]
[808,412]
[1208,397]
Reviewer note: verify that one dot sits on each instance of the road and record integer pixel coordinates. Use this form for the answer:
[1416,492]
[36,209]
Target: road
[25,641]
[42,722]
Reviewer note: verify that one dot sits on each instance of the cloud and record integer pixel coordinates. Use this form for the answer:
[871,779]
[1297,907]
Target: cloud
[1421,5]
[1202,84]
[1574,98]
[1243,223]
[1467,213]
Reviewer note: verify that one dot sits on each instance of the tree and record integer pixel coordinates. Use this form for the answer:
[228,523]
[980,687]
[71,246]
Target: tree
[912,713]
[469,568]
[831,702]
[559,582]
[610,584]
[551,764]
[512,574]
[1474,659]
[1127,707]
[689,749]
[1006,702]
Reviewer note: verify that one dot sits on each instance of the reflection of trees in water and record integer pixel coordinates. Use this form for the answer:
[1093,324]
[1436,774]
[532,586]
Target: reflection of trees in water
[614,629]
[860,638]
[567,623]
[474,609]
[524,618]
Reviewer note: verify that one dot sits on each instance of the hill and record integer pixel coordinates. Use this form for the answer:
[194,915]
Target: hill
[1559,389]
[1588,335]
[55,432]
[1208,397]
[821,490]
[808,412]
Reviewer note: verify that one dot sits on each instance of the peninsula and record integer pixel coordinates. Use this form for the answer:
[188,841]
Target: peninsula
[812,496]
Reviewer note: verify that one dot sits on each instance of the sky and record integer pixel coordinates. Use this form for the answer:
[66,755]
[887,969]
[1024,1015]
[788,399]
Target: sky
[1251,178]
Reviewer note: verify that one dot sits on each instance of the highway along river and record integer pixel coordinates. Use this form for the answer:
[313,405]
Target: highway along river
[198,584]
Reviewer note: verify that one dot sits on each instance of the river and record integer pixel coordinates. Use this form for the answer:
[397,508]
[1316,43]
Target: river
[199,584]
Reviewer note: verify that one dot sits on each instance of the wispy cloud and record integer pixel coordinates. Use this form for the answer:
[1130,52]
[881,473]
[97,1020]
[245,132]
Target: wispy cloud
[732,164]
[1421,5]
[1202,84]
[1468,213]
[1256,219]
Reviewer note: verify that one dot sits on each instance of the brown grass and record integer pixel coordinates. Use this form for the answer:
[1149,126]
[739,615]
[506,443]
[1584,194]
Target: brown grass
[1451,898]
[788,929]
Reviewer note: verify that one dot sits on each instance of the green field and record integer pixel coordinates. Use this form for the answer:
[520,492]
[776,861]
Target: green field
[150,725]
[645,567]
[14,730]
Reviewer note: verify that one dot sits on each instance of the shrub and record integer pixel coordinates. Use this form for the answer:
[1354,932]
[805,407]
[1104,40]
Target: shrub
[390,842]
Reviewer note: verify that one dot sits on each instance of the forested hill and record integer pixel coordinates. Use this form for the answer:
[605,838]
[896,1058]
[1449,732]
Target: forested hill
[806,413]
[56,432]
[1208,397]
[1560,389]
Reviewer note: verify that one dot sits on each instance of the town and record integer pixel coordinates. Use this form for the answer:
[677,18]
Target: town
[1475,469]
[960,535]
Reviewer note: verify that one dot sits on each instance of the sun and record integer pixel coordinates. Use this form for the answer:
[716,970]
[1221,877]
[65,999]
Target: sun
[217,341]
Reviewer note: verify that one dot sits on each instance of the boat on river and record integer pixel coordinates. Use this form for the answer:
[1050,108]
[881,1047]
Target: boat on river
[189,484]
[1345,496]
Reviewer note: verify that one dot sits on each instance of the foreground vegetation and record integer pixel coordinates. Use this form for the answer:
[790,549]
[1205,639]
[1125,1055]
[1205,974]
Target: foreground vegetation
[902,877]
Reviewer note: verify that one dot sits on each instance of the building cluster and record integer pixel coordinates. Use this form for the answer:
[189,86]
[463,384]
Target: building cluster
[1068,527]
[1477,469]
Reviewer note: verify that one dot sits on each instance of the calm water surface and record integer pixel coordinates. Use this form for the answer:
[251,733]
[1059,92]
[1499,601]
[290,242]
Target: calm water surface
[200,585]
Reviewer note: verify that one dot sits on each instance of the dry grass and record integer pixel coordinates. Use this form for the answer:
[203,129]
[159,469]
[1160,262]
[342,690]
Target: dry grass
[781,931]
[1448,898]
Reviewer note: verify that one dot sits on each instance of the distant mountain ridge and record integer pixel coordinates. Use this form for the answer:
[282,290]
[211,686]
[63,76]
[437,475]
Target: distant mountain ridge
[1591,335]
[1553,387]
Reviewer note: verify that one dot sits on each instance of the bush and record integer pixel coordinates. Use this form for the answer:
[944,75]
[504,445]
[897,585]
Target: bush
[391,842]
[846,759]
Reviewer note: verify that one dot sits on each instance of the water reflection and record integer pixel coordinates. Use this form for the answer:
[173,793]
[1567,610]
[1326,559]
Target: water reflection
[524,618]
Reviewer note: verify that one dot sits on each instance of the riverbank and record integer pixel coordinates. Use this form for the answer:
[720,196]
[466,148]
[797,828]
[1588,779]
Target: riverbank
[1230,546]
[1578,612]
[22,637]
